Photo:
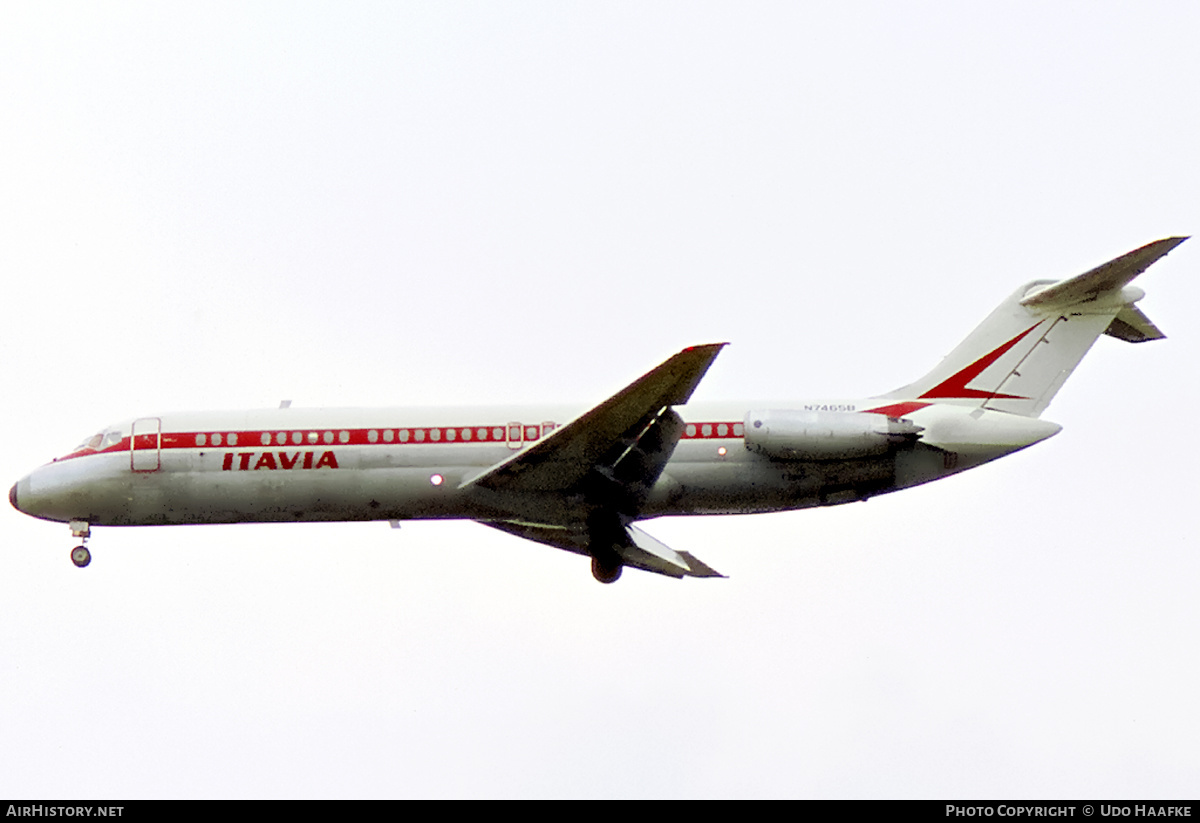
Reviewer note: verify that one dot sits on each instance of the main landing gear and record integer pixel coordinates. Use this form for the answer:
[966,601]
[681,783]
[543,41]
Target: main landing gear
[80,555]
[606,566]
[606,535]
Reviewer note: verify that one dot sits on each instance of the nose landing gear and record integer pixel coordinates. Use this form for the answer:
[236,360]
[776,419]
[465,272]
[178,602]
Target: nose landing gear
[80,555]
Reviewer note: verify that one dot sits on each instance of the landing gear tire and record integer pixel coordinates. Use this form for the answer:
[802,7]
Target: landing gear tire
[80,556]
[607,570]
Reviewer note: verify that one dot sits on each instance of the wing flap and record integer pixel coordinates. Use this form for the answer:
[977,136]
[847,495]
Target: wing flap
[650,554]
[640,551]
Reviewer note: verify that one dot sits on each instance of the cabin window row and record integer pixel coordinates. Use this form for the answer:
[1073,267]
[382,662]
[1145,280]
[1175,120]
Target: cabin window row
[511,433]
[718,430]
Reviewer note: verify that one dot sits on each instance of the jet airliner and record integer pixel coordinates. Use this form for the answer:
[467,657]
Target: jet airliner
[582,482]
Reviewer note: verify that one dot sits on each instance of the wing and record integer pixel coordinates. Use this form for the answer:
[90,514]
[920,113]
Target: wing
[565,458]
[638,549]
[581,487]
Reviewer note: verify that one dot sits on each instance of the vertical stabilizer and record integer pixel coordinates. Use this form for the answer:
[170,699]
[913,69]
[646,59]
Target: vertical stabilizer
[1019,357]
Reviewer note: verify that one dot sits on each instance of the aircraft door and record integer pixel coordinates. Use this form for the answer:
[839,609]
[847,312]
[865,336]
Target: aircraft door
[144,443]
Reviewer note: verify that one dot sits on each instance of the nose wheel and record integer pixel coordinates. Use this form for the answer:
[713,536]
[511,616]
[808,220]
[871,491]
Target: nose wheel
[80,555]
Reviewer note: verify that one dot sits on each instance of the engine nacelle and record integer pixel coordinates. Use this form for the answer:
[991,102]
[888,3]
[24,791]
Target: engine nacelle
[821,435]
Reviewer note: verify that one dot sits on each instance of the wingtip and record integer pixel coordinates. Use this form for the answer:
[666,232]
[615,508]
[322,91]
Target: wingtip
[706,353]
[1161,248]
[698,568]
[1164,246]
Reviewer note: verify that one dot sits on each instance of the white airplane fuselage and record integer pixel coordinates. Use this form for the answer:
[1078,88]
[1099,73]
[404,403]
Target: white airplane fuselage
[295,464]
[580,479]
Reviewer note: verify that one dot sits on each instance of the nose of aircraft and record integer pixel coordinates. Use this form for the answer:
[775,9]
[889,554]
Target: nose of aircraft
[56,491]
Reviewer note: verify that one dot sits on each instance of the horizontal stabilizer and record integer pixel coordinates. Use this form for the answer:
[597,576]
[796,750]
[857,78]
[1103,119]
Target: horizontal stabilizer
[1110,277]
[1132,326]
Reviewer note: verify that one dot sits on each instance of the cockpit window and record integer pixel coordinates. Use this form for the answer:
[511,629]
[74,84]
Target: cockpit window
[100,440]
[91,443]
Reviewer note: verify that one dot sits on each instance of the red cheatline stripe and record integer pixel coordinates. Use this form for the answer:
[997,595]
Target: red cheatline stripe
[712,431]
[898,409]
[330,438]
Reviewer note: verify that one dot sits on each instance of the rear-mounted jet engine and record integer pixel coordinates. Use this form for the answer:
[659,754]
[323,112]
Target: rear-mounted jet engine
[822,435]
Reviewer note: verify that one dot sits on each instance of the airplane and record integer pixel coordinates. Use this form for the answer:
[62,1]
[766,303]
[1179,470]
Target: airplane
[583,482]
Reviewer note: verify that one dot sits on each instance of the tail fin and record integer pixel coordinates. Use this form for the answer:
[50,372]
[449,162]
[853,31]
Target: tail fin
[1020,356]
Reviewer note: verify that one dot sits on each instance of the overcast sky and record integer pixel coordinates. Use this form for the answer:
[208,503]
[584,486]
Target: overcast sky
[223,205]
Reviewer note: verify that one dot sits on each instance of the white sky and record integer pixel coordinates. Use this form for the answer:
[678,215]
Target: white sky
[223,205]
